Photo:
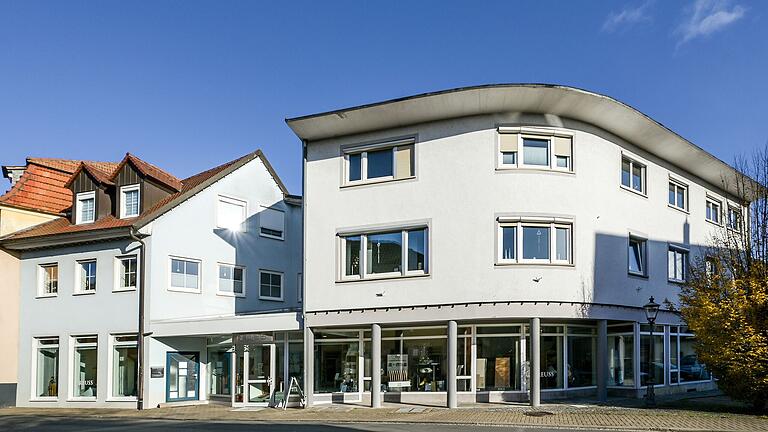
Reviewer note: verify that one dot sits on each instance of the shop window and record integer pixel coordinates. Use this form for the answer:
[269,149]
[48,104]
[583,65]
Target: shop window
[124,366]
[540,242]
[464,360]
[582,357]
[691,368]
[621,349]
[336,366]
[85,365]
[386,254]
[416,364]
[47,380]
[657,360]
[498,358]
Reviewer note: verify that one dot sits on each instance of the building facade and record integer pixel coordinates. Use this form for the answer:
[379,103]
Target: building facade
[498,243]
[221,280]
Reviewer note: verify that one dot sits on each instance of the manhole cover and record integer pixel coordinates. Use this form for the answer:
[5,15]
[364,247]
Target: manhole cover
[538,413]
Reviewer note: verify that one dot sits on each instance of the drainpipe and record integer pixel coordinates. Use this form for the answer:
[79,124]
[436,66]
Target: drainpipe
[140,336]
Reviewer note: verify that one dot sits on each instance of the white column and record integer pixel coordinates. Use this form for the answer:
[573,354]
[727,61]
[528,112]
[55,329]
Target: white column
[375,366]
[535,384]
[602,360]
[452,355]
[309,366]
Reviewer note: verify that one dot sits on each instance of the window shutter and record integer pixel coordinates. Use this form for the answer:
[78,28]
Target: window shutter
[404,161]
[272,219]
[508,142]
[563,146]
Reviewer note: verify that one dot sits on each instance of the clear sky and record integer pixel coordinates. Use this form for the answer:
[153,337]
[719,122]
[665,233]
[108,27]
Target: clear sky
[190,84]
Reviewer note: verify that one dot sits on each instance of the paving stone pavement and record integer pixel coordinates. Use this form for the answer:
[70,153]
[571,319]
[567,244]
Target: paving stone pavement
[560,415]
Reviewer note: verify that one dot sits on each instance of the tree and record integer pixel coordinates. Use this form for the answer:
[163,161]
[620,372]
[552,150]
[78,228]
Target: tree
[725,301]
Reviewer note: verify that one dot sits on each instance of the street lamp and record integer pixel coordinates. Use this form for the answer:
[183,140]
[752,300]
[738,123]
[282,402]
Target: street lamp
[651,310]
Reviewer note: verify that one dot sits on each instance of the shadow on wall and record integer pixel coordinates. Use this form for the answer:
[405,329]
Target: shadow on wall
[627,272]
[270,264]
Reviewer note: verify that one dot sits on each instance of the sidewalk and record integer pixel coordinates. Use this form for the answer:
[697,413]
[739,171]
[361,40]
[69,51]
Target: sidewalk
[550,415]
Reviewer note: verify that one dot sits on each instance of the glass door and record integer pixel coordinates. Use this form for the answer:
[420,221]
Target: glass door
[182,382]
[260,367]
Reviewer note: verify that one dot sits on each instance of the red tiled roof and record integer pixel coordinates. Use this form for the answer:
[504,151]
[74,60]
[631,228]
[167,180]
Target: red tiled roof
[71,165]
[148,170]
[63,225]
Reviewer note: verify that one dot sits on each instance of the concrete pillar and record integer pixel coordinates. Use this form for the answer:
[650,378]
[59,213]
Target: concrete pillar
[375,366]
[535,384]
[452,356]
[309,366]
[602,360]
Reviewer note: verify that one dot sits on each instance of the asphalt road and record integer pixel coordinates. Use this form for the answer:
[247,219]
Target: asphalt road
[60,424]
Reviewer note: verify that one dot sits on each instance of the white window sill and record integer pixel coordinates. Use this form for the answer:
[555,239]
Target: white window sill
[534,264]
[375,181]
[45,399]
[129,289]
[273,299]
[533,169]
[229,294]
[42,296]
[384,278]
[82,399]
[674,207]
[634,191]
[271,236]
[84,293]
[121,399]
[185,290]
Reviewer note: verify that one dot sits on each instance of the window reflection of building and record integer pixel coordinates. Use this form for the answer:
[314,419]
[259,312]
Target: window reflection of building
[336,362]
[621,349]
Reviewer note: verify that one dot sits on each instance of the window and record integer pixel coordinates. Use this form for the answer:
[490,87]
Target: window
[272,223]
[129,201]
[386,161]
[125,362]
[85,366]
[47,368]
[539,150]
[534,241]
[387,253]
[655,358]
[185,275]
[637,259]
[49,278]
[231,213]
[270,285]
[231,280]
[299,288]
[632,175]
[621,350]
[713,211]
[677,264]
[734,218]
[678,195]
[126,273]
[86,208]
[87,274]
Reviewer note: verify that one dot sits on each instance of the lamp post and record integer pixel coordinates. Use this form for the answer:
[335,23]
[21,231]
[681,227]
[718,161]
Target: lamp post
[651,310]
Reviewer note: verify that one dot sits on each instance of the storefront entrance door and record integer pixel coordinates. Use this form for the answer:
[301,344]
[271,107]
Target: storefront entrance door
[182,382]
[260,367]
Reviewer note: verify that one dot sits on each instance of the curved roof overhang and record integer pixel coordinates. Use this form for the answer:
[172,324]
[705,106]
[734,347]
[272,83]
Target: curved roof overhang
[602,111]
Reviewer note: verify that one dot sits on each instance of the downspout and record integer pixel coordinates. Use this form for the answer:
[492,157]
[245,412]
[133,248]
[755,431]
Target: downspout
[140,336]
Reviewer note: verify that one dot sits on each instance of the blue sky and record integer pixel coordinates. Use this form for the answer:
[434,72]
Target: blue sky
[190,84]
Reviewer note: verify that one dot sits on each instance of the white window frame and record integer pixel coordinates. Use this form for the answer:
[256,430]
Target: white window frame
[533,134]
[268,235]
[36,345]
[79,198]
[79,277]
[643,255]
[41,284]
[404,272]
[73,345]
[678,185]
[218,280]
[243,204]
[643,175]
[199,275]
[551,224]
[114,344]
[123,209]
[363,150]
[686,264]
[738,210]
[282,285]
[710,201]
[118,271]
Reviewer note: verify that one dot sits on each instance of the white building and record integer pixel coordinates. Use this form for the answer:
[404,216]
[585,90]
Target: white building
[222,276]
[440,228]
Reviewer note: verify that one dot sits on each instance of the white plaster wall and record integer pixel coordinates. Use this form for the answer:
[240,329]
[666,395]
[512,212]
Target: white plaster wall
[458,189]
[157,357]
[103,313]
[190,231]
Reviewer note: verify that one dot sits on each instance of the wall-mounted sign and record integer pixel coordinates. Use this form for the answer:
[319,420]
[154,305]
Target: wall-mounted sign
[156,371]
[252,338]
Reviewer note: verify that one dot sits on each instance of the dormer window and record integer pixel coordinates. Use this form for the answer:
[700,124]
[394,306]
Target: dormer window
[129,201]
[85,210]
